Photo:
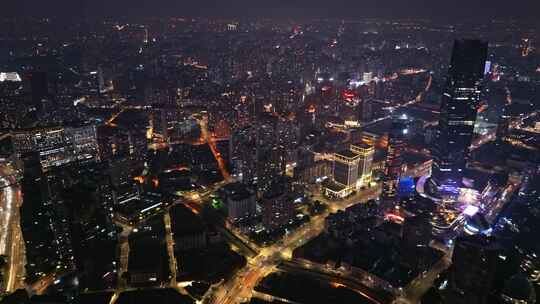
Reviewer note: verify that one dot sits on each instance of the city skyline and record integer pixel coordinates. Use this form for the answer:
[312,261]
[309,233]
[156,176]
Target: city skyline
[254,160]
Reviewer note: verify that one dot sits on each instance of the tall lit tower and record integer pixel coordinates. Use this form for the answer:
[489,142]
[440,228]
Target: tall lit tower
[458,113]
[270,154]
[394,159]
[365,163]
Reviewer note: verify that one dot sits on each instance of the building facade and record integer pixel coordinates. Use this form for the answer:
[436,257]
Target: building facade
[460,101]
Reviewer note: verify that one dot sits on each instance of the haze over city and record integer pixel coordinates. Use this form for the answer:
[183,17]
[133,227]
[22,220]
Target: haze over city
[524,9]
[257,152]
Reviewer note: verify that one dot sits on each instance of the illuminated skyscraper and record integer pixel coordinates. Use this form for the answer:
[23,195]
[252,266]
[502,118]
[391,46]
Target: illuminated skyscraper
[277,205]
[394,160]
[344,173]
[269,152]
[256,153]
[365,162]
[346,168]
[458,113]
[242,152]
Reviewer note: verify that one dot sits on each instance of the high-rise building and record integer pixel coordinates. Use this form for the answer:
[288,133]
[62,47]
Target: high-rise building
[365,154]
[458,113]
[351,170]
[138,144]
[472,274]
[270,152]
[89,212]
[270,165]
[240,201]
[47,246]
[365,110]
[278,208]
[39,85]
[258,152]
[344,174]
[345,170]
[394,160]
[242,154]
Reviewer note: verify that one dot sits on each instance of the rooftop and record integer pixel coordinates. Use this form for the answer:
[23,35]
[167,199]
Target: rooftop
[162,296]
[333,186]
[347,154]
[184,221]
[237,191]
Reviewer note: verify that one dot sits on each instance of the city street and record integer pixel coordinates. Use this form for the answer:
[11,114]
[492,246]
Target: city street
[11,240]
[170,246]
[241,286]
[419,286]
[123,244]
[298,152]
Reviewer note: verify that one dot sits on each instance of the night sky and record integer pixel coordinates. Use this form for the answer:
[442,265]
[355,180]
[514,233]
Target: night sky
[277,8]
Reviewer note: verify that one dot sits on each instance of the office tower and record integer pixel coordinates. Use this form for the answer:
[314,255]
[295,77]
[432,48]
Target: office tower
[365,110]
[257,152]
[348,108]
[345,169]
[278,208]
[138,81]
[365,154]
[138,144]
[474,264]
[270,165]
[270,152]
[240,201]
[242,154]
[288,135]
[87,202]
[66,220]
[351,170]
[458,114]
[39,86]
[394,160]
[44,251]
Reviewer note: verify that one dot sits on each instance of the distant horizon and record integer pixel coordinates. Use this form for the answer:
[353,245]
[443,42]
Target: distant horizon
[303,9]
[433,20]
